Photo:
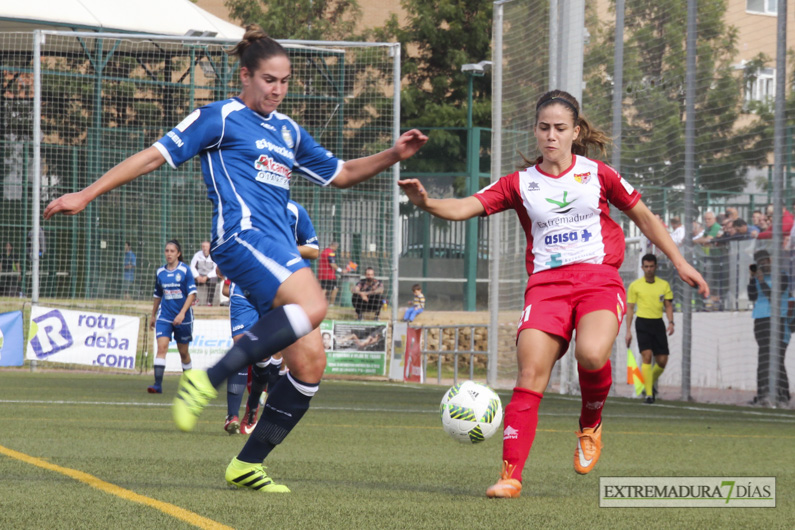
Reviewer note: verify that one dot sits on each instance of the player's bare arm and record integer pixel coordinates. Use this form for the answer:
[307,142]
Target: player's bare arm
[450,209]
[155,306]
[361,169]
[308,252]
[628,318]
[138,164]
[653,229]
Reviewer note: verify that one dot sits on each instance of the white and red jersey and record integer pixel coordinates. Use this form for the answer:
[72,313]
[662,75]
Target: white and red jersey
[566,218]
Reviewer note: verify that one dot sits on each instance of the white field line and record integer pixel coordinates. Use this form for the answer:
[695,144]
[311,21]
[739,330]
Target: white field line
[749,415]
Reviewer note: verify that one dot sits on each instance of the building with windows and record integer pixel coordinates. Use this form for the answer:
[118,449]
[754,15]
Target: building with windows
[756,22]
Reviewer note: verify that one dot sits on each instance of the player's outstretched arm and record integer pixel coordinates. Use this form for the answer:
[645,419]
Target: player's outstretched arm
[308,252]
[653,229]
[138,164]
[361,169]
[450,209]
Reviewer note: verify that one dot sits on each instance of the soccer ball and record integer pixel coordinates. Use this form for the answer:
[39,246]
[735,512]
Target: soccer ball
[471,412]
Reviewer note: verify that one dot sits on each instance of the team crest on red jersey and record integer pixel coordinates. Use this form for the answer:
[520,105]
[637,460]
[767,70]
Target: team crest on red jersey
[582,178]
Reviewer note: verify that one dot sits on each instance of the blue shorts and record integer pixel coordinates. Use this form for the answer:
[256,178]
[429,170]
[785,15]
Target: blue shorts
[242,315]
[258,264]
[183,333]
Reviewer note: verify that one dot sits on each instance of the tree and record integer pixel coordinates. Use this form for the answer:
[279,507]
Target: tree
[300,19]
[440,36]
[731,136]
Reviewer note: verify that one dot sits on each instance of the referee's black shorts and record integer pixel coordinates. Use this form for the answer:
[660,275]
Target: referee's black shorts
[329,285]
[651,335]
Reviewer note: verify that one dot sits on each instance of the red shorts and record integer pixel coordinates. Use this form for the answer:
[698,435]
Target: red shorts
[556,299]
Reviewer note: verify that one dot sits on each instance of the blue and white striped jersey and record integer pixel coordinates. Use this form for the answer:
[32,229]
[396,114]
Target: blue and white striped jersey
[173,287]
[248,161]
[301,224]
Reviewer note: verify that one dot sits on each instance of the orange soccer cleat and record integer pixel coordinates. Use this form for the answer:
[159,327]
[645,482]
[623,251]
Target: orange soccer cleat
[588,450]
[506,487]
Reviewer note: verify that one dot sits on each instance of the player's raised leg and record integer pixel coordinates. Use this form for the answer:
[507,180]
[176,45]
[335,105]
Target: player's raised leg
[299,307]
[537,352]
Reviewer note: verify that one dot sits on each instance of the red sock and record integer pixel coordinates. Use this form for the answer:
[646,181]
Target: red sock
[521,421]
[594,384]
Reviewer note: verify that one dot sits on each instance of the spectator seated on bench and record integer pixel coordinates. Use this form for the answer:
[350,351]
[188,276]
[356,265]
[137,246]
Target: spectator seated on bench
[367,295]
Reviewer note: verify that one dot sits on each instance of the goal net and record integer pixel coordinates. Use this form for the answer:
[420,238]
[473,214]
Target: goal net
[104,97]
[733,177]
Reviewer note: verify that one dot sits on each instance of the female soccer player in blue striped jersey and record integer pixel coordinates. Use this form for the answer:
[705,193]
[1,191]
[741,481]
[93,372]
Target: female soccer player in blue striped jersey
[243,315]
[249,152]
[172,315]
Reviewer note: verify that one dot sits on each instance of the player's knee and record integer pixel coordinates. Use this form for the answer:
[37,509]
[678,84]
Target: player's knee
[314,303]
[591,358]
[316,311]
[532,376]
[260,373]
[309,363]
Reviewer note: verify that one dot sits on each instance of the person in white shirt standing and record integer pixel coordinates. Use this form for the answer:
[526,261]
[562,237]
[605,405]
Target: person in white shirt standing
[203,270]
[678,232]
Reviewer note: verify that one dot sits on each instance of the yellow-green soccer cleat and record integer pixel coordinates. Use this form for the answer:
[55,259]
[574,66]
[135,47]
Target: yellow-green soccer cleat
[244,475]
[194,392]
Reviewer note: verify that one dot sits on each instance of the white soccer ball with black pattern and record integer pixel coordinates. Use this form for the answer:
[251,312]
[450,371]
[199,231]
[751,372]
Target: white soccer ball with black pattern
[471,412]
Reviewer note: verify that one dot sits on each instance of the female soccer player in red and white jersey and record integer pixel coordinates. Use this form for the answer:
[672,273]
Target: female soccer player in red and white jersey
[574,250]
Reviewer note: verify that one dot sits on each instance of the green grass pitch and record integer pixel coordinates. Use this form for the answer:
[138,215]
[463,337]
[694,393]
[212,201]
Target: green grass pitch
[366,455]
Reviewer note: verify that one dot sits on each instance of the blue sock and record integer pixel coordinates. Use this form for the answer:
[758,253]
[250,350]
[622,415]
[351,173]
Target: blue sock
[235,386]
[160,369]
[287,403]
[273,332]
[259,378]
[273,373]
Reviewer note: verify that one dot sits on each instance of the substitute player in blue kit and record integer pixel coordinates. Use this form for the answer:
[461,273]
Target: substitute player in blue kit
[249,153]
[243,315]
[172,313]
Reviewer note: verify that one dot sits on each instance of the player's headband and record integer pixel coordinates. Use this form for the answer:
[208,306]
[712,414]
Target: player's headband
[565,102]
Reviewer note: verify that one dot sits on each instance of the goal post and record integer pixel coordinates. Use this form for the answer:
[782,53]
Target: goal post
[77,103]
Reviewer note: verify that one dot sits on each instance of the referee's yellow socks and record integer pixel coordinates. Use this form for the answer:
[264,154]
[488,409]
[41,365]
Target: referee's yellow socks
[656,372]
[646,372]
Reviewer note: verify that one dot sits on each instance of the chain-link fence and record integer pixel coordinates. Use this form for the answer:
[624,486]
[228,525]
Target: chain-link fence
[732,184]
[73,105]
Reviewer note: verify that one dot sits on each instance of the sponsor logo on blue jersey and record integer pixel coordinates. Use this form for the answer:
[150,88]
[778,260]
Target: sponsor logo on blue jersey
[272,172]
[278,149]
[174,138]
[287,136]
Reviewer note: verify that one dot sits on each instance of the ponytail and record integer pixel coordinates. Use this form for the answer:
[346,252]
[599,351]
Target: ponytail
[255,47]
